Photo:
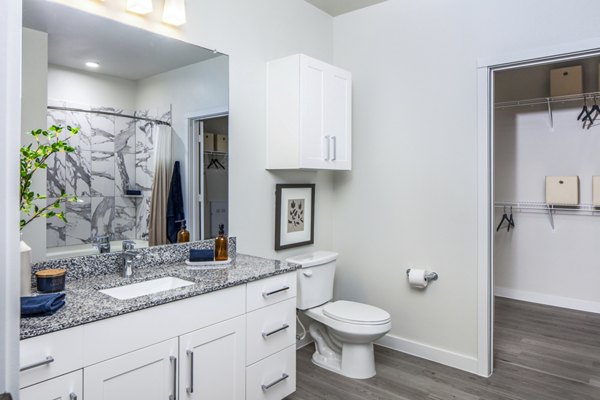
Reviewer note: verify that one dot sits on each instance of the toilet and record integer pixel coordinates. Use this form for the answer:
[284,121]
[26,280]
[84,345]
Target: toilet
[343,331]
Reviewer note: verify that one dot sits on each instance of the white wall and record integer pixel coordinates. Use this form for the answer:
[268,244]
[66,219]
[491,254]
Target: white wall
[10,121]
[33,107]
[251,33]
[191,89]
[532,262]
[90,88]
[412,196]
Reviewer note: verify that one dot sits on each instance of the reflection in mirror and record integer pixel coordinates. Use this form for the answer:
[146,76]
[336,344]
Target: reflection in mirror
[143,103]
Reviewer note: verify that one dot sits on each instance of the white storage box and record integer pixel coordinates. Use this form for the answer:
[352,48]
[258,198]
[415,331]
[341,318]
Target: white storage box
[221,144]
[562,190]
[566,81]
[209,141]
[596,190]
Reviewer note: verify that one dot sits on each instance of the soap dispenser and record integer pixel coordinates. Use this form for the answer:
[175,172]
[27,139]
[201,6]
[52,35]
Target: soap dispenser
[183,236]
[221,245]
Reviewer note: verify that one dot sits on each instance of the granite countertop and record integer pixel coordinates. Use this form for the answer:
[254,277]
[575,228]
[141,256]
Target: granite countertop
[85,304]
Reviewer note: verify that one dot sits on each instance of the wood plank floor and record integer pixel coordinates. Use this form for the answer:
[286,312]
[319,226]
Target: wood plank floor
[541,353]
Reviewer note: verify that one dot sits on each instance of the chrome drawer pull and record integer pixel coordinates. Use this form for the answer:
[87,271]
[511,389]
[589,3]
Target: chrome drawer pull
[266,335]
[72,396]
[48,360]
[190,354]
[270,385]
[283,289]
[173,360]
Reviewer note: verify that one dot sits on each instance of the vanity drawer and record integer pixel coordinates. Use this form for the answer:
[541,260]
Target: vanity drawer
[44,357]
[270,291]
[272,378]
[65,387]
[270,330]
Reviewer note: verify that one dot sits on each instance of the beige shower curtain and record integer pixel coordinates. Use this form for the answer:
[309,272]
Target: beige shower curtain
[157,229]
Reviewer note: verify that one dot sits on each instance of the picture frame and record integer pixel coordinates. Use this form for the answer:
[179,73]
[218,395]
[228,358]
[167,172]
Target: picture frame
[294,215]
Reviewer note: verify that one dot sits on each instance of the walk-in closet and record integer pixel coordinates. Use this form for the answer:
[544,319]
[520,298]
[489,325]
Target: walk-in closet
[546,243]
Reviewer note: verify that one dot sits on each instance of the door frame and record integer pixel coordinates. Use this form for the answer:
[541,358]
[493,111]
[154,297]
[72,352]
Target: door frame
[10,141]
[485,191]
[195,191]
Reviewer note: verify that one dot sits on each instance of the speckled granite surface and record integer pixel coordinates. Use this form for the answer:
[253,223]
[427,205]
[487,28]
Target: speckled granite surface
[86,304]
[109,263]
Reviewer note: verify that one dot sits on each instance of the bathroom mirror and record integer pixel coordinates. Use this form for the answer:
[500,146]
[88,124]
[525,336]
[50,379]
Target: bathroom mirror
[142,102]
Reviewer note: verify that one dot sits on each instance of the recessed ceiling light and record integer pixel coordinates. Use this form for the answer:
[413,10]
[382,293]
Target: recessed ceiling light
[139,6]
[92,64]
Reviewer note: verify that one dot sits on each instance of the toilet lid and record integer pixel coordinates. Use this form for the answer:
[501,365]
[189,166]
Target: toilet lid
[356,313]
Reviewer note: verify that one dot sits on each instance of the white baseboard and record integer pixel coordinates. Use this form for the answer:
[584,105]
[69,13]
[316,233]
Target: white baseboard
[449,358]
[304,342]
[547,299]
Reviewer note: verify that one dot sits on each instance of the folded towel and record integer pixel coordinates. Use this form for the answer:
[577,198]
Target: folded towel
[42,305]
[202,255]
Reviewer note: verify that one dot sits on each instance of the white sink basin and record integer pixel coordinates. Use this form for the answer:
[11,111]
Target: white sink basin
[145,288]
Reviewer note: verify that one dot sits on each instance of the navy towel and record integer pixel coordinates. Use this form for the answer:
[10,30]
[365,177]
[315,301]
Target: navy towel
[174,205]
[42,305]
[202,255]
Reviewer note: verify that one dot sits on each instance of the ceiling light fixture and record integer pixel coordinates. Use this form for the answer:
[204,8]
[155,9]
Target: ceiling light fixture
[139,6]
[174,12]
[92,64]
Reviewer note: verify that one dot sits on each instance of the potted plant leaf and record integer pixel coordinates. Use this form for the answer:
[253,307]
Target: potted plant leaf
[34,157]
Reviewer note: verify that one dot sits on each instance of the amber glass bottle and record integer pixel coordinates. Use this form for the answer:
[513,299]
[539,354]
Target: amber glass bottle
[221,245]
[183,236]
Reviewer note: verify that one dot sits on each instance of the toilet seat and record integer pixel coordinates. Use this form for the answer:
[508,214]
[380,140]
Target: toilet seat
[356,313]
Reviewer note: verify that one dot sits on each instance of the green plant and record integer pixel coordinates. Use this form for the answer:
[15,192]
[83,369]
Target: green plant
[33,158]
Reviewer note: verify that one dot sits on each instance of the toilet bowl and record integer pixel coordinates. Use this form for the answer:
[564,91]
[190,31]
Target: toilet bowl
[343,331]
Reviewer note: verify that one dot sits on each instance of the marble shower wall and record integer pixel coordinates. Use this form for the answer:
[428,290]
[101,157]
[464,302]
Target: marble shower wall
[113,153]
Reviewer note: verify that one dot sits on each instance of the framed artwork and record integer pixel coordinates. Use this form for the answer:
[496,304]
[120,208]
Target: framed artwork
[294,215]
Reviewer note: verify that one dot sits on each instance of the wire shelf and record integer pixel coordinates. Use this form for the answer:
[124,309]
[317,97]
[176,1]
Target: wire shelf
[550,209]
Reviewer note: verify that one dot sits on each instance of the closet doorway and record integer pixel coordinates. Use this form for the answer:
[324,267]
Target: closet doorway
[209,175]
[539,260]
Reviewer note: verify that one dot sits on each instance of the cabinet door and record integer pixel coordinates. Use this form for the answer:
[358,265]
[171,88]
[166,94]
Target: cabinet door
[212,362]
[66,387]
[149,374]
[337,117]
[314,146]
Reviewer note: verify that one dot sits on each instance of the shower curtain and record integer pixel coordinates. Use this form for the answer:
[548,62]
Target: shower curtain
[157,229]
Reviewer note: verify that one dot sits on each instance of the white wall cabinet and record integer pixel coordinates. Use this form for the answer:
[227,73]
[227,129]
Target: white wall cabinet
[149,374]
[212,362]
[309,115]
[65,387]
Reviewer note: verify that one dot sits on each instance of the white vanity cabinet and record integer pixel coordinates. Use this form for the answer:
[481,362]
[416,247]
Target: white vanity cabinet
[271,338]
[65,387]
[212,362]
[149,374]
[196,348]
[309,115]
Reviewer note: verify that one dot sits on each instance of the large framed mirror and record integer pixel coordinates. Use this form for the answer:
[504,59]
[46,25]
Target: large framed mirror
[152,114]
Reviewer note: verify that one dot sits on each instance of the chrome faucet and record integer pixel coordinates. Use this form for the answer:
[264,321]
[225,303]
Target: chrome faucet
[102,243]
[128,255]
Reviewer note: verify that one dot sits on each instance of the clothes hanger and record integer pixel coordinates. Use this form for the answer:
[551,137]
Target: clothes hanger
[504,218]
[597,110]
[511,221]
[584,110]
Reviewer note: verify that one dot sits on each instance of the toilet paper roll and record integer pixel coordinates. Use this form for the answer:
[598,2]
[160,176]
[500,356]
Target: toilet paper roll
[416,278]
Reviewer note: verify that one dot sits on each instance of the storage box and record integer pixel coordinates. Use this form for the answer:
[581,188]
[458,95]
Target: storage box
[209,141]
[562,190]
[221,143]
[596,190]
[566,81]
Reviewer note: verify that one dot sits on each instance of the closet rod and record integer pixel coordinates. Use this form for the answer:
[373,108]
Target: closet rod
[156,121]
[546,100]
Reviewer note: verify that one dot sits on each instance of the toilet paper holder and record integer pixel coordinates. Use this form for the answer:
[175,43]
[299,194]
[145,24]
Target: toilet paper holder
[430,276]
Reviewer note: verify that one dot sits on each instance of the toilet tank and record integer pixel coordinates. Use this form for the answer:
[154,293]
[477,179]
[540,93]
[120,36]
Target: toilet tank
[315,278]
